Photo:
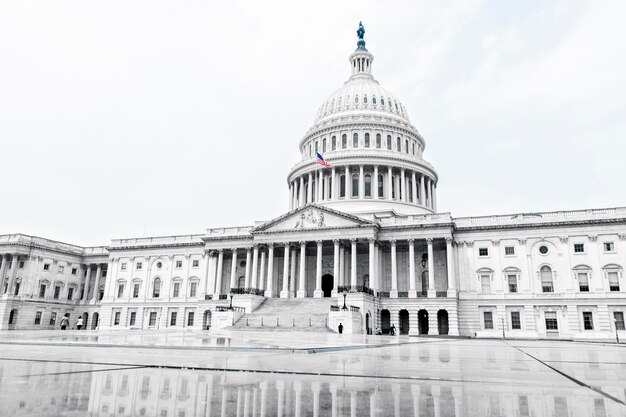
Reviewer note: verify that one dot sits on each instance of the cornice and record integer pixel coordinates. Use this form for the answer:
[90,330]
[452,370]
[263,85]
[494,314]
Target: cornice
[567,223]
[156,246]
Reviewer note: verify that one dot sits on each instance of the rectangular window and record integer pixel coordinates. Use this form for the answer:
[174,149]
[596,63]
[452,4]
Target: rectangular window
[583,281]
[123,266]
[133,317]
[152,321]
[120,290]
[176,291]
[57,292]
[46,267]
[579,248]
[512,283]
[618,317]
[195,263]
[483,251]
[38,317]
[488,319]
[515,320]
[53,318]
[179,264]
[609,247]
[136,291]
[613,280]
[192,289]
[485,283]
[139,266]
[173,318]
[70,293]
[21,265]
[587,320]
[116,320]
[42,290]
[104,273]
[551,322]
[190,318]
[74,271]
[61,269]
[524,410]
[509,250]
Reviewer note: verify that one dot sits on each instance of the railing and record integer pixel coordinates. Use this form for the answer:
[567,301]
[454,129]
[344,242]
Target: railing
[355,308]
[355,288]
[334,308]
[208,296]
[403,294]
[442,294]
[276,321]
[422,294]
[230,308]
[383,294]
[252,291]
[223,297]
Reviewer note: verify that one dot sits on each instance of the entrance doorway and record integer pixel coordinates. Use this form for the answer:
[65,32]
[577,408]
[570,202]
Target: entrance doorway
[442,321]
[206,321]
[94,321]
[85,320]
[403,318]
[327,285]
[385,321]
[422,321]
[13,317]
[368,329]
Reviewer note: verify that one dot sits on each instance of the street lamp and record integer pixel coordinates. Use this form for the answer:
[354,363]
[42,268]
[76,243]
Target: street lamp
[230,307]
[616,332]
[344,302]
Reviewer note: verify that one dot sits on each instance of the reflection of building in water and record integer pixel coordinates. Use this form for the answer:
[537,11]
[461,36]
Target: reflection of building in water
[369,226]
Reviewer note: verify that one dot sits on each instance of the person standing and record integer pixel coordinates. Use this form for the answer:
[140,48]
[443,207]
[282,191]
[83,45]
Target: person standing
[65,321]
[340,328]
[79,322]
[392,330]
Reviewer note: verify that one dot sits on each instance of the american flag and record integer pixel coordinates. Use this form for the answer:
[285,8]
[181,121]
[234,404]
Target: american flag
[320,160]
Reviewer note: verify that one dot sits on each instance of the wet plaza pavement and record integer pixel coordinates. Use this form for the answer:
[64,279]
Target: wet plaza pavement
[183,374]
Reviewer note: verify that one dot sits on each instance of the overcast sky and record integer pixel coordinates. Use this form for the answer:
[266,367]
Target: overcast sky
[132,118]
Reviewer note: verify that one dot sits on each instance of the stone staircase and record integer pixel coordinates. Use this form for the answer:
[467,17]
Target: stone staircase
[288,314]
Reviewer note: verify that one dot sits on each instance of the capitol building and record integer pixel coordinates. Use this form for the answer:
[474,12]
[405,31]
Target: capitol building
[362,244]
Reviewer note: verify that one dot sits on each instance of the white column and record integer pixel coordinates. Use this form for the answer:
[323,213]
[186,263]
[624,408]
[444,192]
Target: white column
[375,182]
[97,283]
[291,196]
[233,270]
[269,287]
[262,272]
[302,285]
[361,183]
[342,266]
[318,272]
[412,291]
[320,195]
[450,267]
[218,275]
[353,266]
[394,271]
[429,196]
[3,269]
[211,275]
[403,185]
[413,188]
[255,266]
[301,199]
[309,190]
[432,292]
[372,265]
[333,188]
[348,182]
[292,274]
[248,266]
[422,191]
[335,266]
[434,196]
[87,279]
[389,181]
[377,265]
[396,183]
[284,293]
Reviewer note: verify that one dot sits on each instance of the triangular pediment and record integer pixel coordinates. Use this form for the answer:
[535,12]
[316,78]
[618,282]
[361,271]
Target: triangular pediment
[312,217]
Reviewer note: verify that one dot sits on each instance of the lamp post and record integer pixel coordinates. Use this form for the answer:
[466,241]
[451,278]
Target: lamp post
[344,302]
[230,307]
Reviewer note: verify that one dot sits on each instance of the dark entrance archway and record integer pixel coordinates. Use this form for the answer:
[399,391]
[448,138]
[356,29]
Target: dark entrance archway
[206,320]
[85,320]
[368,328]
[385,321]
[327,285]
[241,282]
[403,319]
[442,321]
[422,321]
[94,321]
[13,317]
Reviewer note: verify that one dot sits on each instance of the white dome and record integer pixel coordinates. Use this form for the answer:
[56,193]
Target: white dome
[363,95]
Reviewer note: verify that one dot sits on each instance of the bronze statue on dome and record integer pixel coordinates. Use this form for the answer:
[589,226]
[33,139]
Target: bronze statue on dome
[360,32]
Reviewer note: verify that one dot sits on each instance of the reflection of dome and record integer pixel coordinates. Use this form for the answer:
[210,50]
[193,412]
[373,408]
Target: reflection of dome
[376,154]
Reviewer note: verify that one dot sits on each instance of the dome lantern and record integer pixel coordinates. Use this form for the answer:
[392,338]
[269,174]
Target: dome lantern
[361,59]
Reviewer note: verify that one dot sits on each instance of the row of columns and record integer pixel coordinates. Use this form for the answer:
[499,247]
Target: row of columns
[7,288]
[264,280]
[322,185]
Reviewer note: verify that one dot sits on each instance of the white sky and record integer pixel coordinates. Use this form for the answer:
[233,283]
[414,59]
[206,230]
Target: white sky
[132,118]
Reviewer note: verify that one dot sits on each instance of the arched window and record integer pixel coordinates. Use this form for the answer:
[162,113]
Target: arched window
[382,101]
[310,150]
[380,186]
[393,187]
[613,273]
[484,275]
[406,145]
[546,279]
[368,185]
[324,145]
[398,148]
[374,101]
[367,140]
[355,185]
[316,147]
[409,192]
[389,142]
[413,144]
[339,103]
[364,99]
[333,142]
[582,273]
[344,141]
[378,140]
[356,99]
[342,186]
[241,283]
[156,288]
[355,140]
